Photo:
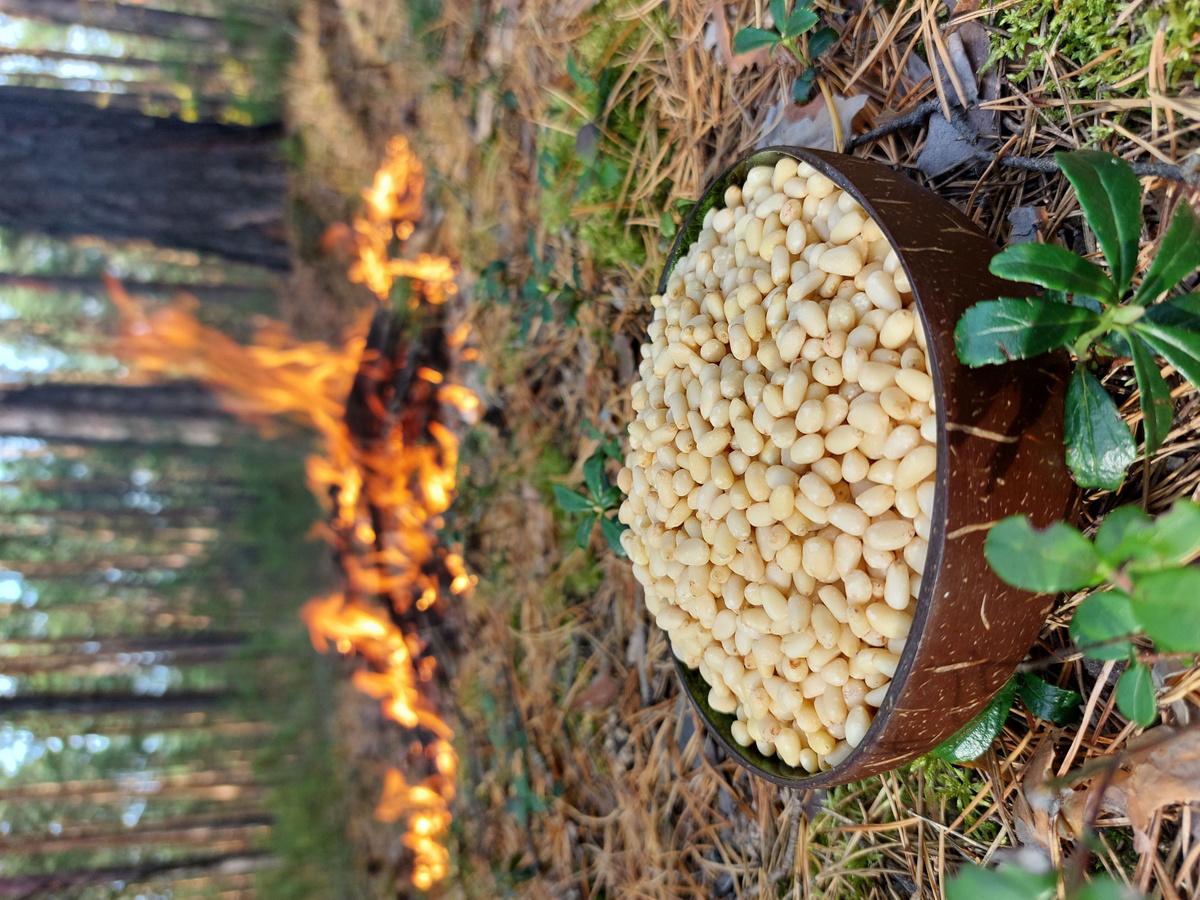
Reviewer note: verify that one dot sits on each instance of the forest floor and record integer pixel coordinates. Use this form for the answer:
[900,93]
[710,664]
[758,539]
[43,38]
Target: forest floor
[584,772]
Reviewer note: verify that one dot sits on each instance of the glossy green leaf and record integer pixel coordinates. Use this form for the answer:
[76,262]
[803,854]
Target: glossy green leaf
[1048,701]
[1157,409]
[778,10]
[998,331]
[1102,623]
[1099,444]
[1167,606]
[612,530]
[973,739]
[802,86]
[583,534]
[666,225]
[1178,256]
[1057,558]
[1053,267]
[1172,328]
[1123,529]
[1170,540]
[820,41]
[1111,200]
[1135,695]
[593,475]
[799,22]
[569,501]
[611,498]
[750,39]
[1006,882]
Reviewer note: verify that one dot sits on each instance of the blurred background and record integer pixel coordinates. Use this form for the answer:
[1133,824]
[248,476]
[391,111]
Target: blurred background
[164,724]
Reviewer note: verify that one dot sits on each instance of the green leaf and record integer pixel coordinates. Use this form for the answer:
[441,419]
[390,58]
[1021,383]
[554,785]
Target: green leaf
[1122,530]
[1178,256]
[569,501]
[611,498]
[1167,606]
[1175,539]
[1111,200]
[612,533]
[778,10]
[1048,701]
[998,331]
[1101,619]
[1142,545]
[1172,328]
[820,41]
[750,39]
[799,22]
[583,534]
[593,475]
[1135,695]
[1157,409]
[1053,267]
[1103,888]
[802,87]
[1006,882]
[666,224]
[1099,444]
[972,740]
[1057,558]
[608,176]
[582,81]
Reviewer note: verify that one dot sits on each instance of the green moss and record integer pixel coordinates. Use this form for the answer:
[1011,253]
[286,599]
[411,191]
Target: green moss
[1077,32]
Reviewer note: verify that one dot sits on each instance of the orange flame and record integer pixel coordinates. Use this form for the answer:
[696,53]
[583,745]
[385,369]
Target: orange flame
[388,498]
[393,204]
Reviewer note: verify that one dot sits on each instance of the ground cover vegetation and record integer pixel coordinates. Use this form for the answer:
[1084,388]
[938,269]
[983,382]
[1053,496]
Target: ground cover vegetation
[564,143]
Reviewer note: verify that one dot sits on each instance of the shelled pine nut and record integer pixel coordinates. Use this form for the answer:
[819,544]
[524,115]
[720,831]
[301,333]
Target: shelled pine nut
[780,478]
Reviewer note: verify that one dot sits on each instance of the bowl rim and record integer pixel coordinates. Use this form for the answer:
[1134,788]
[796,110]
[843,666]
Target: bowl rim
[771,767]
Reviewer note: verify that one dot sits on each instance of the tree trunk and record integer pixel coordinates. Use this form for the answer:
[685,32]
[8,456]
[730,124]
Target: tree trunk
[96,704]
[70,883]
[244,830]
[122,17]
[71,169]
[169,414]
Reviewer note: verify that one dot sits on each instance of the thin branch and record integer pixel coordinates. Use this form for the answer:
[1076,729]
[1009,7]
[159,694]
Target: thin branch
[1188,174]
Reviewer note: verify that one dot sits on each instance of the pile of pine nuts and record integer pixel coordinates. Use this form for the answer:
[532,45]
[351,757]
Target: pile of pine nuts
[780,480]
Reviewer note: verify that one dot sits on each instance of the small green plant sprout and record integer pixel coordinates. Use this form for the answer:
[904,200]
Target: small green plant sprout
[603,498]
[1087,312]
[1152,590]
[1028,876]
[786,32]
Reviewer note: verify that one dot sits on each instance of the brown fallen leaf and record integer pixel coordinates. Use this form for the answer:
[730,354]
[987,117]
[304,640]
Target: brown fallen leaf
[599,694]
[1036,803]
[1165,776]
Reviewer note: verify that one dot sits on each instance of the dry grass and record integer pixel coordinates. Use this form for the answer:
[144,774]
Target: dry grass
[585,775]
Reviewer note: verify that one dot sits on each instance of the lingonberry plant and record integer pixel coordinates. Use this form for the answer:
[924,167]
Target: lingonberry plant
[1092,313]
[786,32]
[605,497]
[1152,591]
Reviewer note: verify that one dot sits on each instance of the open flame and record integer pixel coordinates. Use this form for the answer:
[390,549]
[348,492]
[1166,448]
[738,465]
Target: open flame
[387,495]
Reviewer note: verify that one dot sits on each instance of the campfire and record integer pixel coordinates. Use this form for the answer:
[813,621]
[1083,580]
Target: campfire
[386,470]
